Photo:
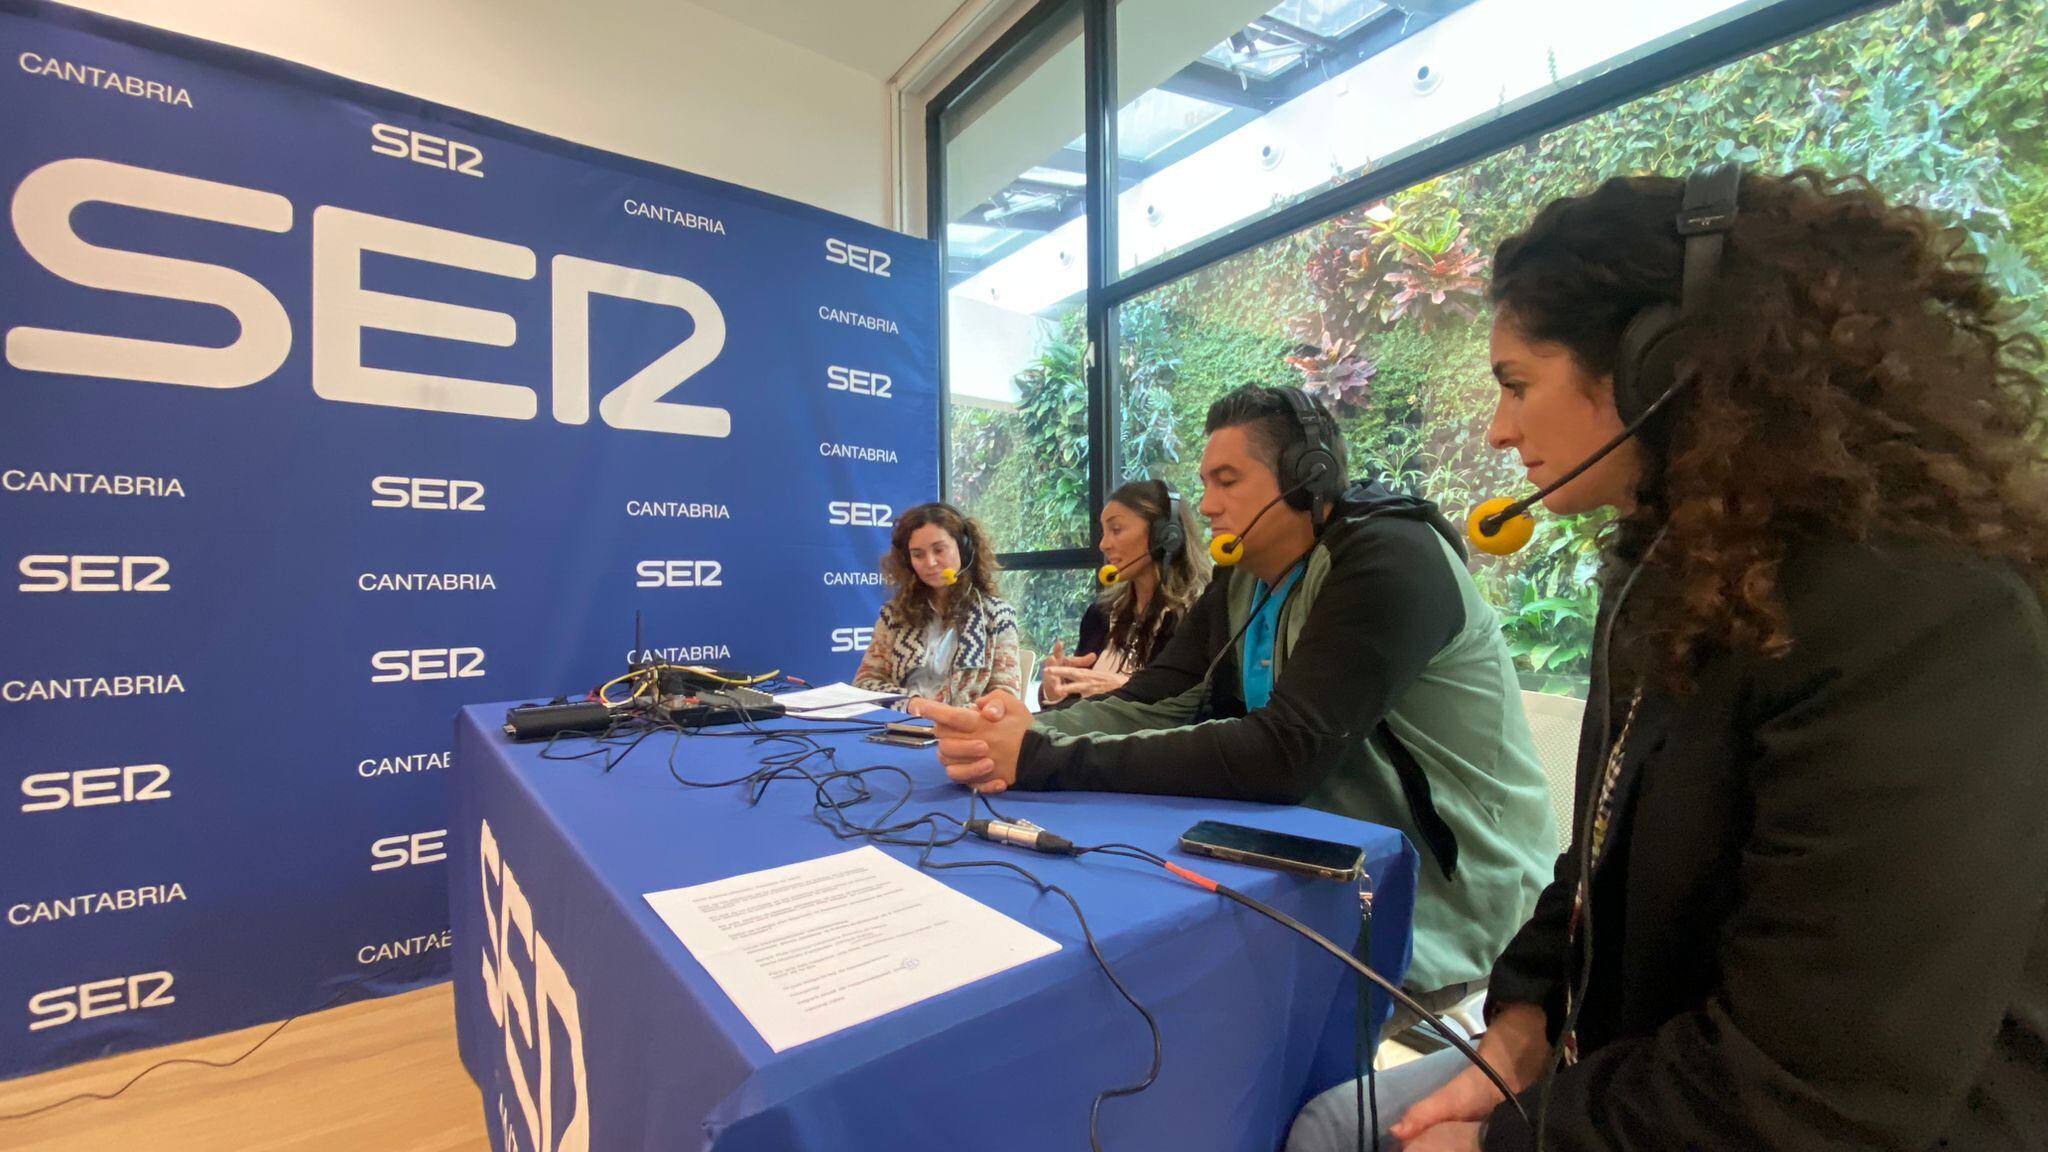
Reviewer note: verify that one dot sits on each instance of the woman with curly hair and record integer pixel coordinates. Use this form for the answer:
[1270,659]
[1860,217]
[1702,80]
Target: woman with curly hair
[1814,819]
[945,635]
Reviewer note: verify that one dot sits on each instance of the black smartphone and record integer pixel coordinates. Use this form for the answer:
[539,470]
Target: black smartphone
[903,739]
[1235,842]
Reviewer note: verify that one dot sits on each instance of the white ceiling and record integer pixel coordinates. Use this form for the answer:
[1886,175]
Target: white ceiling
[871,36]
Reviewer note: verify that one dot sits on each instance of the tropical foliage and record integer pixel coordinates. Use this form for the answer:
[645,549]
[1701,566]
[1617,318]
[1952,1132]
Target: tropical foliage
[1382,311]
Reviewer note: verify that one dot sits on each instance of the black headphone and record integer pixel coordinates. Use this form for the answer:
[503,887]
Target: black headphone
[965,541]
[1164,537]
[1309,472]
[1645,368]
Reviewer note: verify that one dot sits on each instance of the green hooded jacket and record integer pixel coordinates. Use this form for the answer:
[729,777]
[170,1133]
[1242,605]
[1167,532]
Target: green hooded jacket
[1384,635]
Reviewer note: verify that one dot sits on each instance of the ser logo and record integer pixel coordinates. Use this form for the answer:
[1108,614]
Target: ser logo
[397,665]
[870,260]
[342,308]
[856,382]
[679,574]
[427,493]
[60,1006]
[860,514]
[535,1005]
[421,148]
[852,639]
[56,573]
[406,851]
[93,787]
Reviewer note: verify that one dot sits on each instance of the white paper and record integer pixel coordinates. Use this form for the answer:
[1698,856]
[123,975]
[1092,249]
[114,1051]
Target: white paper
[834,701]
[808,949]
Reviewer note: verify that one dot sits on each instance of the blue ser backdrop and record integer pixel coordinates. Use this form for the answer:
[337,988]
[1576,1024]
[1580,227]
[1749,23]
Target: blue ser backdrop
[326,411]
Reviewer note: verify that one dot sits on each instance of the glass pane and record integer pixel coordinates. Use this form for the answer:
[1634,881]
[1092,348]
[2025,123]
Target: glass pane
[1049,604]
[1016,264]
[1310,93]
[1382,311]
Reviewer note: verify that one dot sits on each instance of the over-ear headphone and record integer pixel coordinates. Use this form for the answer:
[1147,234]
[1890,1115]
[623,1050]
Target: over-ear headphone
[1165,538]
[1309,472]
[964,542]
[1645,367]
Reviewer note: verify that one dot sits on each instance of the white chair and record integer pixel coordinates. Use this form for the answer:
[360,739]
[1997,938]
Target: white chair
[1554,722]
[1027,675]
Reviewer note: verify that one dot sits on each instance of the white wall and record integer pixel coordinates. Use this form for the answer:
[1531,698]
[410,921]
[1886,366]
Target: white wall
[657,79]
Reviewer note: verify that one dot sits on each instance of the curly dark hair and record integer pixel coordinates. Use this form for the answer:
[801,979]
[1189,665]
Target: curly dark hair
[916,602]
[1850,371]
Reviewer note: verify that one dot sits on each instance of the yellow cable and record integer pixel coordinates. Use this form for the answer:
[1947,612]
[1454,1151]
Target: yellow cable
[715,677]
[650,680]
[604,688]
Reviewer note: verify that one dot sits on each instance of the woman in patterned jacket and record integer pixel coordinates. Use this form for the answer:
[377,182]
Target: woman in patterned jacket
[945,635]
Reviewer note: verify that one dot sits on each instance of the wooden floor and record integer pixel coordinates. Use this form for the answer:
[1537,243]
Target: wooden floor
[381,1075]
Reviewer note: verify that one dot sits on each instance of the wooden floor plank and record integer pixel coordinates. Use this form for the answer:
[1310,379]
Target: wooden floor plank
[382,1074]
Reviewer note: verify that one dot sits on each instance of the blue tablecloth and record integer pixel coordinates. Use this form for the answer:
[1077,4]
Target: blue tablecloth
[588,1025]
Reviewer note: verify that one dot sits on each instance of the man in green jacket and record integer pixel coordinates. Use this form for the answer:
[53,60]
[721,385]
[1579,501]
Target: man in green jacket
[1346,663]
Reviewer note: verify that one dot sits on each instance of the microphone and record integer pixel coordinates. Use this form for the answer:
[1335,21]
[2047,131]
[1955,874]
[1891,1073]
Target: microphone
[1110,574]
[1227,548]
[1502,527]
[950,575]
[1023,835]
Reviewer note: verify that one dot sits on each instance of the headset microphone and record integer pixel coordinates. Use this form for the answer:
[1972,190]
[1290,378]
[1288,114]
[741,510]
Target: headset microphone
[965,546]
[1227,548]
[1502,527]
[1110,574]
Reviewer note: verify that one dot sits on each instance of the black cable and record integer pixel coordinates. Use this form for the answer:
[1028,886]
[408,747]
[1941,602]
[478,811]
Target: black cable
[1436,1022]
[833,811]
[1358,1024]
[1151,1022]
[1584,887]
[1372,1091]
[250,1051]
[1129,851]
[1451,1035]
[1367,1078]
[1268,590]
[1265,594]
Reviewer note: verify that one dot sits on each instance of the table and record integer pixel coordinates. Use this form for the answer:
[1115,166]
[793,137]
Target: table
[588,1025]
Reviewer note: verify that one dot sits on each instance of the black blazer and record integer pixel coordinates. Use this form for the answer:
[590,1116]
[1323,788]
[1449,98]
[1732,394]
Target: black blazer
[1821,923]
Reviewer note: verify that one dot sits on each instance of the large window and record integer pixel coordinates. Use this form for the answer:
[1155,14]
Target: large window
[1234,109]
[1014,209]
[1378,305]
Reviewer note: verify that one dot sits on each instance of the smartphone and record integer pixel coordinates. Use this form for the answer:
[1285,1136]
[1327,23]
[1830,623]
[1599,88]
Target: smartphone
[1235,842]
[903,739]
